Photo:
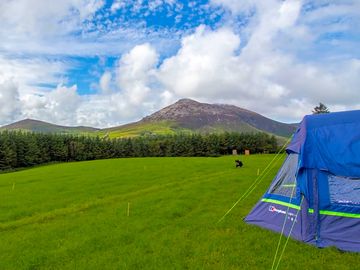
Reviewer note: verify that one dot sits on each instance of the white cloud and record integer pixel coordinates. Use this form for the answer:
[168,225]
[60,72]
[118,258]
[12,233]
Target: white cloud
[58,106]
[134,73]
[116,5]
[20,79]
[258,66]
[77,28]
[9,101]
[127,93]
[30,71]
[194,70]
[62,103]
[236,6]
[105,82]
[273,19]
[210,66]
[23,97]
[263,75]
[332,9]
[66,27]
[289,12]
[42,18]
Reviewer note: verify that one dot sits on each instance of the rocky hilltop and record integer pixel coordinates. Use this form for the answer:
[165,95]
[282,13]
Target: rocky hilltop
[203,116]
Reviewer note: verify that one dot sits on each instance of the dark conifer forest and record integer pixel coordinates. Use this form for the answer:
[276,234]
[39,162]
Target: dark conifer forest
[24,149]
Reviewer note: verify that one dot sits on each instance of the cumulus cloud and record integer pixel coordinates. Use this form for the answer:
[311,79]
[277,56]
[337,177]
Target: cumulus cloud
[105,82]
[62,103]
[135,71]
[19,85]
[262,74]
[26,91]
[9,101]
[127,92]
[259,66]
[58,106]
[194,70]
[210,67]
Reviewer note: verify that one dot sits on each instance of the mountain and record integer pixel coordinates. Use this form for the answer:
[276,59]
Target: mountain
[187,115]
[44,127]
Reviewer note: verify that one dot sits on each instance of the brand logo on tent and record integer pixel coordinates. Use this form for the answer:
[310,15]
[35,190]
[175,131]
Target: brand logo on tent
[290,216]
[274,209]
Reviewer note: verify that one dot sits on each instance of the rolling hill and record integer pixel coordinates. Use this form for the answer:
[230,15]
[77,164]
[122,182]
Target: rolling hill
[44,127]
[184,116]
[187,115]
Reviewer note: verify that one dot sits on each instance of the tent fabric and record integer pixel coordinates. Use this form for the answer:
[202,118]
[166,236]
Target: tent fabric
[318,187]
[329,142]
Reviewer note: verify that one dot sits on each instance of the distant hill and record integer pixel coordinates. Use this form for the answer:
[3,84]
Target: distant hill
[139,128]
[32,125]
[187,115]
[184,116]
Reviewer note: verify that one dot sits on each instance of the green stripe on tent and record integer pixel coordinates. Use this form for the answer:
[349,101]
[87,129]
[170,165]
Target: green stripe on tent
[339,214]
[294,206]
[334,213]
[311,211]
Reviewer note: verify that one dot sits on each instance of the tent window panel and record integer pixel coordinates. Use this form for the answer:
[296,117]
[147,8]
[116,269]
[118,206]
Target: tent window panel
[344,190]
[285,181]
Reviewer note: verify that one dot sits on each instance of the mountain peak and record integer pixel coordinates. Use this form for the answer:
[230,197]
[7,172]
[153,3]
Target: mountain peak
[186,101]
[194,115]
[29,120]
[24,124]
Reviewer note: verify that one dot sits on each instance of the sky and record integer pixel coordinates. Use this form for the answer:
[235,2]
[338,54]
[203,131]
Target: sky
[106,63]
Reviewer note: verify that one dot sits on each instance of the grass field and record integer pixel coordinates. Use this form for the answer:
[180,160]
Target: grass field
[75,216]
[143,128]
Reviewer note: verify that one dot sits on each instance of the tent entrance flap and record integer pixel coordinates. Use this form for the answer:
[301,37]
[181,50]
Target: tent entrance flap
[285,180]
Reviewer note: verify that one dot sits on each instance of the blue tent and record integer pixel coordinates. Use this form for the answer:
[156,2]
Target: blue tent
[315,196]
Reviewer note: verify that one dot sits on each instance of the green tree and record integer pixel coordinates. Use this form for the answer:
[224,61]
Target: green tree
[320,109]
[7,152]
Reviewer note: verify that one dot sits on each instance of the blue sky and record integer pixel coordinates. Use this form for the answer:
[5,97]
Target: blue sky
[165,22]
[105,63]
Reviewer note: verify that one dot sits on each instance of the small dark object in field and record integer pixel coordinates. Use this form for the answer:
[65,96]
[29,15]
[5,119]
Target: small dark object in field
[238,163]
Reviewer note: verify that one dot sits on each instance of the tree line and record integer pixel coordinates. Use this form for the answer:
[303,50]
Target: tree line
[23,149]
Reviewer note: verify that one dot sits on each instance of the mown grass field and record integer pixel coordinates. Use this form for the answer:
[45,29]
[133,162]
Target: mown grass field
[74,216]
[143,128]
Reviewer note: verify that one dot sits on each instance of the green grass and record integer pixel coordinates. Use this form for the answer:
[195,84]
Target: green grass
[74,216]
[143,128]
